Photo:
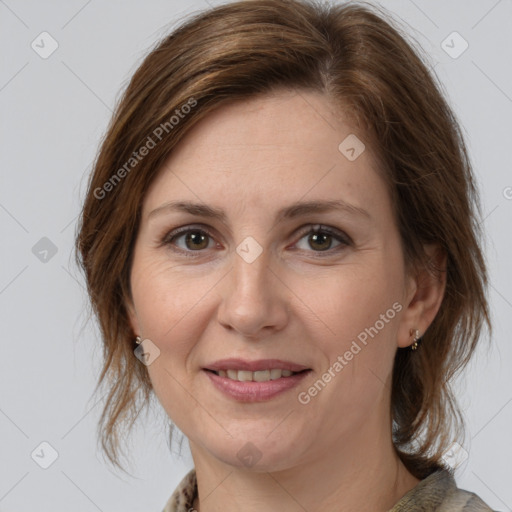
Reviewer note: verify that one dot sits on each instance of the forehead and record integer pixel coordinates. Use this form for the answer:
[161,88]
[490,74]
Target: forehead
[269,148]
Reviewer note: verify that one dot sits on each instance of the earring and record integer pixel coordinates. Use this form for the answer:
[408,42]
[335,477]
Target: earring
[138,340]
[416,339]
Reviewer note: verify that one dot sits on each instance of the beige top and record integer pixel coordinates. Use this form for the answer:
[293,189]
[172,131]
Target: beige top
[436,493]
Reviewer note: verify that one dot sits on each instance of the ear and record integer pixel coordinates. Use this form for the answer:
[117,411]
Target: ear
[424,295]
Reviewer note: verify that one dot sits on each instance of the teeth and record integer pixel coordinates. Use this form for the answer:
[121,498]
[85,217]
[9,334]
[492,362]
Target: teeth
[275,374]
[259,376]
[244,375]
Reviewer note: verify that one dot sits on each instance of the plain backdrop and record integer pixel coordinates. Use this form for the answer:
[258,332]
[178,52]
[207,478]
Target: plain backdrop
[54,111]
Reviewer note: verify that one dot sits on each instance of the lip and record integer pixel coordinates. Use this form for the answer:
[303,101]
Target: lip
[254,366]
[255,391]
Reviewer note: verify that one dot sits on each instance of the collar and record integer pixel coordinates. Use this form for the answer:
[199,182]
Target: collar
[436,493]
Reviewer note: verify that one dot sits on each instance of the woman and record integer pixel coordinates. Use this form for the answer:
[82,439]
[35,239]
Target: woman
[282,226]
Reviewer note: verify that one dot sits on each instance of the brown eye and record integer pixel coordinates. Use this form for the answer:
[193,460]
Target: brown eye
[189,239]
[323,239]
[196,240]
[320,241]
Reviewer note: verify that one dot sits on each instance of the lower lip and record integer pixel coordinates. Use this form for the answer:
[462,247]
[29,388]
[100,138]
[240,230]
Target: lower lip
[250,391]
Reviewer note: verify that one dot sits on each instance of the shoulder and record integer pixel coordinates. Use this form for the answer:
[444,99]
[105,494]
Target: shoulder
[439,493]
[183,496]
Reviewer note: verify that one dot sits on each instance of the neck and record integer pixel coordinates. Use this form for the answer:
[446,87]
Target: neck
[362,474]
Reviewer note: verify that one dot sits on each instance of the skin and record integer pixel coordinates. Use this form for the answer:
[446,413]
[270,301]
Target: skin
[293,302]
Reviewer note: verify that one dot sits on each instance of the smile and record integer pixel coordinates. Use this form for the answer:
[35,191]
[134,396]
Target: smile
[246,388]
[259,376]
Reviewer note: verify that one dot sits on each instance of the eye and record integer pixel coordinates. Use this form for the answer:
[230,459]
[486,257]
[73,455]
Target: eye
[189,239]
[321,238]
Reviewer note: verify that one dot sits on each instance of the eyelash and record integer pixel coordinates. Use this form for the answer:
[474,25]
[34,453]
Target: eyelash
[339,236]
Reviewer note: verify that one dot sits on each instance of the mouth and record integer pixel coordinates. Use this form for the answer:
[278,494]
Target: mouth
[258,376]
[255,381]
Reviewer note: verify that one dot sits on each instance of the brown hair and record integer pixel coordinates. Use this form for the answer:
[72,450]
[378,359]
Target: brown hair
[361,60]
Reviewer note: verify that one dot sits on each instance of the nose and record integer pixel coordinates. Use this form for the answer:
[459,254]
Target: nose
[254,298]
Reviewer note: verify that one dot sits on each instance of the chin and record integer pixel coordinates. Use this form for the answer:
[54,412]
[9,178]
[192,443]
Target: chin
[257,452]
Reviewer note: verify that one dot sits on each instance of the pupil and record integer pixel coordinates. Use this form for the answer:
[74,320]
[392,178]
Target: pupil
[315,237]
[197,239]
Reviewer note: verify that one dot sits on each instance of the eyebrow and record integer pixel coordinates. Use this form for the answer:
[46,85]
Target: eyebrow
[287,212]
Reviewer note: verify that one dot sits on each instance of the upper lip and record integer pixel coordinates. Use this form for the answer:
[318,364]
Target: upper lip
[254,366]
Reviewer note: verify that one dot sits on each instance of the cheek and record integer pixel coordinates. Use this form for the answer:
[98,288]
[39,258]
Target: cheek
[174,306]
[355,329]
[348,301]
[356,312]
[172,315]
[163,296]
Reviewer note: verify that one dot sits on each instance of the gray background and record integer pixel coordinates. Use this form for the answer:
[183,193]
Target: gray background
[53,113]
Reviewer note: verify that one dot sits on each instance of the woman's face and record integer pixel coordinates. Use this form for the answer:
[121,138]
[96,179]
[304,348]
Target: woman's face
[253,283]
